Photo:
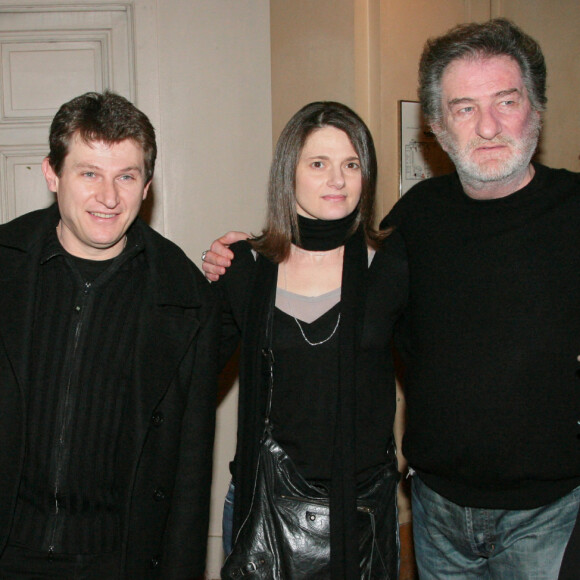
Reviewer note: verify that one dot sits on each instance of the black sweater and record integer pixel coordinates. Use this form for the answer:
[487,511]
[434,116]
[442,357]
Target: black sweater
[492,338]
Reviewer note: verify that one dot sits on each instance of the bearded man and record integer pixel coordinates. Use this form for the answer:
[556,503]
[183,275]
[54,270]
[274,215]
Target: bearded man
[491,336]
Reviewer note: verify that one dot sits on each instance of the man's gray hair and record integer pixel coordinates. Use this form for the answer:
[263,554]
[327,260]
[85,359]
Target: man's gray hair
[497,37]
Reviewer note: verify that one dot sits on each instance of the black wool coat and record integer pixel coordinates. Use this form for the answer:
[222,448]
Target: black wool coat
[166,439]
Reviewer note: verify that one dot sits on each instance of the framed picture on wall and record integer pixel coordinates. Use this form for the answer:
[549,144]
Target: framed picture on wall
[420,156]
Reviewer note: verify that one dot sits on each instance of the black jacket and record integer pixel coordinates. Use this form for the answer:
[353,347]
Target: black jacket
[166,441]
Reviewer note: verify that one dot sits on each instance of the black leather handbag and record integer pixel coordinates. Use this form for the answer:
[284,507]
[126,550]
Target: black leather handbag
[286,535]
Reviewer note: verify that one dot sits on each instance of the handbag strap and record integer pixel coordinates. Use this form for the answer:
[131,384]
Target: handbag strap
[268,355]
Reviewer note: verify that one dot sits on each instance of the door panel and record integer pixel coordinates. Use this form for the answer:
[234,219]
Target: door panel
[50,54]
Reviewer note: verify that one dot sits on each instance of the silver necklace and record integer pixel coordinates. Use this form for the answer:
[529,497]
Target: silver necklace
[322,341]
[300,326]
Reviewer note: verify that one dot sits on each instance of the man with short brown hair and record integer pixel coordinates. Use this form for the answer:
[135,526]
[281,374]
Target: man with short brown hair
[108,341]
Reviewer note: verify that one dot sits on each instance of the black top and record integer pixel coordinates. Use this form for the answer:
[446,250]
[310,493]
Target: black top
[492,340]
[305,399]
[304,395]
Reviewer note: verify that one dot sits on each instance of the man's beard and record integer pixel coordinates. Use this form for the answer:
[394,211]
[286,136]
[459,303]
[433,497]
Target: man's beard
[501,170]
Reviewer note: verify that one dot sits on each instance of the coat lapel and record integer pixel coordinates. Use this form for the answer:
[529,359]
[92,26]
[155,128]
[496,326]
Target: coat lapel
[20,246]
[165,335]
[17,289]
[16,324]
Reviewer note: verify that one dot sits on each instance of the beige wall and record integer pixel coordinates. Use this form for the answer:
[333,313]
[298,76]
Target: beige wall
[215,106]
[312,51]
[556,26]
[363,53]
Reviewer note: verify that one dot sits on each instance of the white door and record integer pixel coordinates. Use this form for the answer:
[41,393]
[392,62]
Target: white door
[49,54]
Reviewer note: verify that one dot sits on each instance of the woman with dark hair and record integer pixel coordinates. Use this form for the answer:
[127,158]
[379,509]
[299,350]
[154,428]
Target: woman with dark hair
[314,300]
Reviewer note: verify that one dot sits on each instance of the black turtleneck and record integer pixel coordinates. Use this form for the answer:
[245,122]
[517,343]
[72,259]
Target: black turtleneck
[324,235]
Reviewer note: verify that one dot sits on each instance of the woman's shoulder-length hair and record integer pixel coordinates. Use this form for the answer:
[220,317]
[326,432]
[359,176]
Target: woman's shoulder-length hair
[281,227]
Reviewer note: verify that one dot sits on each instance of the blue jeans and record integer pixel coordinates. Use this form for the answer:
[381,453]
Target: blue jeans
[454,542]
[228,520]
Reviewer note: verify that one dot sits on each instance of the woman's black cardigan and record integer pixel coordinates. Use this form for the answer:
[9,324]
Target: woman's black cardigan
[246,291]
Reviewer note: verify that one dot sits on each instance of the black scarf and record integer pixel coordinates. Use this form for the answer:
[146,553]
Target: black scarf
[343,522]
[324,235]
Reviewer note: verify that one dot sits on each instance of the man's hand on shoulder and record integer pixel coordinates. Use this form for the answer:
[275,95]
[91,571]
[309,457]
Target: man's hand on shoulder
[219,256]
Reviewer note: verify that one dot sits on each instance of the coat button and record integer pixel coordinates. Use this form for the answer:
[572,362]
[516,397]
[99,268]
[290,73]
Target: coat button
[159,494]
[154,563]
[157,418]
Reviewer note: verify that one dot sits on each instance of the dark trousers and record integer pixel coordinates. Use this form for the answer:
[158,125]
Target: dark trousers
[23,564]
